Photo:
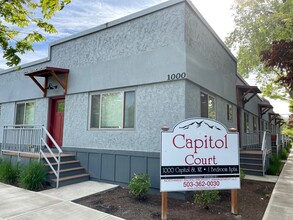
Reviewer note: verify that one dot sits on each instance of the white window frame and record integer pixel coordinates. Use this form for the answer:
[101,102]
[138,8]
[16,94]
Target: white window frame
[254,128]
[24,102]
[100,115]
[229,113]
[246,125]
[209,96]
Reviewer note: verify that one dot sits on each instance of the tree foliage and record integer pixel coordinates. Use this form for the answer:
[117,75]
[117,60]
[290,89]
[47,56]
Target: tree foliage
[280,56]
[24,22]
[259,23]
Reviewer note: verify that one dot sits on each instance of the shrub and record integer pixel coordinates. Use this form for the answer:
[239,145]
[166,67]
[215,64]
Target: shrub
[242,175]
[33,176]
[206,197]
[9,173]
[283,154]
[139,185]
[275,166]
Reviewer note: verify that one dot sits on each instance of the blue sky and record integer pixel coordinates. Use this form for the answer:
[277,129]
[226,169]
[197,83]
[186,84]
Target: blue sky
[81,15]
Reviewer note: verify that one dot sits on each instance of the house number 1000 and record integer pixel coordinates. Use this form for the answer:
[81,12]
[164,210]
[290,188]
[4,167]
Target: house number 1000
[177,76]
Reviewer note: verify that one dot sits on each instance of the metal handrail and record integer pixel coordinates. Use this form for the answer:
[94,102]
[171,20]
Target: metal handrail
[19,138]
[277,144]
[58,160]
[264,149]
[264,152]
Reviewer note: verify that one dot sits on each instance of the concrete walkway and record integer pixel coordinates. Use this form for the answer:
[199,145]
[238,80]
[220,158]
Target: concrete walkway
[266,178]
[20,204]
[281,203]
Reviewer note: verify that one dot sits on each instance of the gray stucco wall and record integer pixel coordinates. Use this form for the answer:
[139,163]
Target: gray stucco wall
[193,105]
[8,111]
[209,64]
[139,51]
[156,105]
[7,116]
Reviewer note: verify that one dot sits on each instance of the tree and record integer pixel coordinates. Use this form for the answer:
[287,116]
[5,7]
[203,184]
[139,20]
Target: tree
[258,23]
[24,22]
[280,57]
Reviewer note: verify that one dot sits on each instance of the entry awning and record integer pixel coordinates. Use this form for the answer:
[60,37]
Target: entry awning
[279,121]
[264,108]
[244,90]
[273,116]
[47,72]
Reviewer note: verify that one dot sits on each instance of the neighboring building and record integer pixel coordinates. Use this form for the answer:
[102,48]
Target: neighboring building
[105,93]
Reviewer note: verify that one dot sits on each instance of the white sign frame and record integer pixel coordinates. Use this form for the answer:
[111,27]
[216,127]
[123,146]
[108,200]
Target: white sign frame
[199,154]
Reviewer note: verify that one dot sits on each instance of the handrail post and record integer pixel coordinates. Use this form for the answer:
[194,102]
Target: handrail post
[264,151]
[164,195]
[19,143]
[234,192]
[58,159]
[58,170]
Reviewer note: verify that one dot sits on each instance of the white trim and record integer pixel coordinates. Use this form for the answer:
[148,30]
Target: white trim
[24,102]
[100,115]
[208,95]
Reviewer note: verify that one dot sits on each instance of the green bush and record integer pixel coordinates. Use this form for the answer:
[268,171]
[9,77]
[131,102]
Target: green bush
[9,173]
[206,197]
[33,176]
[139,186]
[242,175]
[275,166]
[283,154]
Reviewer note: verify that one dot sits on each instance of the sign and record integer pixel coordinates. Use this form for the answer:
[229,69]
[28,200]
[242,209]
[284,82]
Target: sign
[199,154]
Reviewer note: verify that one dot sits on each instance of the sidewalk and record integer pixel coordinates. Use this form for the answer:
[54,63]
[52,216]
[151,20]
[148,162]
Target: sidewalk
[20,204]
[281,203]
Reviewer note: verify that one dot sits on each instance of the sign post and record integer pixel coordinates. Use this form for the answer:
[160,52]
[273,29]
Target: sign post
[164,195]
[234,192]
[200,154]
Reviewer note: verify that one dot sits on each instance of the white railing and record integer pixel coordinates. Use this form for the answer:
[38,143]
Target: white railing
[265,147]
[277,144]
[31,139]
[56,159]
[21,139]
[251,141]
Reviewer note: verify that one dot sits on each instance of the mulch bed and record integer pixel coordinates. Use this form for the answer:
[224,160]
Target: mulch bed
[253,199]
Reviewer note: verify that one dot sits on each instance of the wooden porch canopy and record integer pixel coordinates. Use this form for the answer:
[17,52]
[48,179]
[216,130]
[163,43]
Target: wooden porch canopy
[264,108]
[279,121]
[273,116]
[244,90]
[47,72]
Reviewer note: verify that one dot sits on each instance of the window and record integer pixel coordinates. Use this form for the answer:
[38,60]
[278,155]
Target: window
[25,113]
[208,106]
[246,122]
[229,112]
[254,124]
[262,125]
[112,110]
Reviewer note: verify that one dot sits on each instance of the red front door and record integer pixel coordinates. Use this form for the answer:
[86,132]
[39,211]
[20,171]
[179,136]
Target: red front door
[57,120]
